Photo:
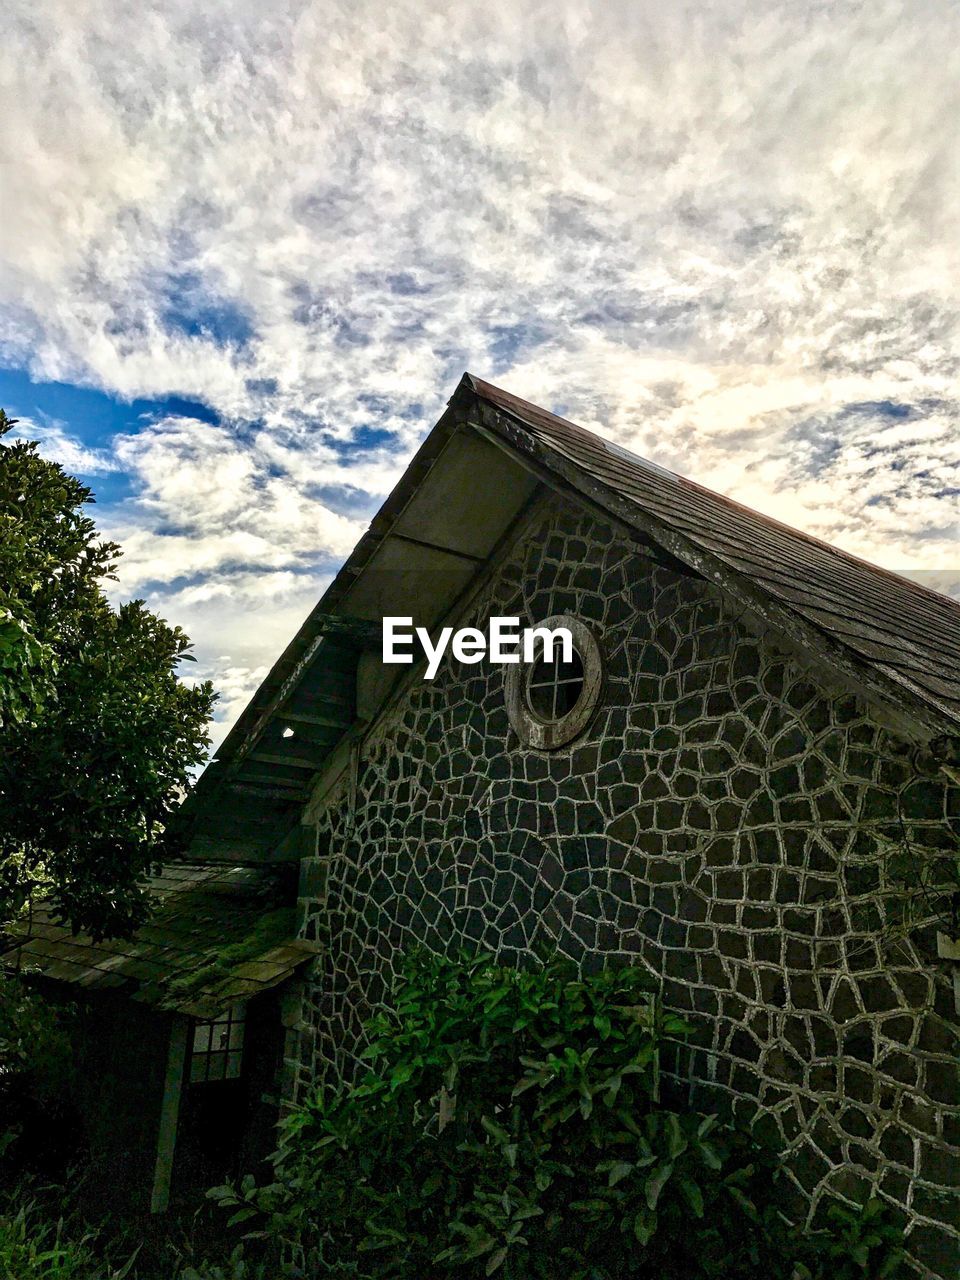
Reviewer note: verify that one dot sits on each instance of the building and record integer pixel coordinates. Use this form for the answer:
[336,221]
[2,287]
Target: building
[742,778]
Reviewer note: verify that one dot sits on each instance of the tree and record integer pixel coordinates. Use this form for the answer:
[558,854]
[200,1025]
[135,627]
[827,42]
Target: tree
[98,735]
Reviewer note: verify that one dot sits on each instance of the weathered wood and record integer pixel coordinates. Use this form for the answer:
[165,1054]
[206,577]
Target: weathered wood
[289,762]
[169,1112]
[324,721]
[360,629]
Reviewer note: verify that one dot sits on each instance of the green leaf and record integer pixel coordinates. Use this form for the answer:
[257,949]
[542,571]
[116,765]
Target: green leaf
[644,1226]
[676,1142]
[619,1170]
[747,1205]
[656,1182]
[481,1245]
[242,1215]
[495,1130]
[401,1074]
[495,1262]
[592,1204]
[710,1155]
[692,1194]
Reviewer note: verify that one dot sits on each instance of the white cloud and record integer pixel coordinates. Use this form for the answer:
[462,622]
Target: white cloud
[59,445]
[728,235]
[207,502]
[241,623]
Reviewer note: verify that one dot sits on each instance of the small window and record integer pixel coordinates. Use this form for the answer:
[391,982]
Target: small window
[217,1048]
[555,688]
[550,703]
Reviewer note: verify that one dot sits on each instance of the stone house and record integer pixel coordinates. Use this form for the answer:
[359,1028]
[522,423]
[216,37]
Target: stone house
[746,780]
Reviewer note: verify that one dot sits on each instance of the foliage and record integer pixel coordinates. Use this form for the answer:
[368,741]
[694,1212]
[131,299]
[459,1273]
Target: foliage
[45,1236]
[37,1123]
[97,733]
[26,667]
[34,1248]
[864,1242]
[237,1267]
[512,1126]
[36,1062]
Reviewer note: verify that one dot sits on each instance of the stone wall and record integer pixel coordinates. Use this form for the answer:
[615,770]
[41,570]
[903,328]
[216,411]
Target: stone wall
[727,821]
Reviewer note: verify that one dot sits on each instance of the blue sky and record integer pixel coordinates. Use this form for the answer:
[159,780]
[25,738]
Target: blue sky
[247,251]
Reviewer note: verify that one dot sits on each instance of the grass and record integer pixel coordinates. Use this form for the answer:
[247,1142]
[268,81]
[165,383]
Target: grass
[32,1247]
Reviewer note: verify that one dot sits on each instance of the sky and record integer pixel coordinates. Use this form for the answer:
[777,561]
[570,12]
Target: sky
[247,251]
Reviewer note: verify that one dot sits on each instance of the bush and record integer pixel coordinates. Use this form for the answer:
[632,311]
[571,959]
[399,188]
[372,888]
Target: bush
[32,1247]
[512,1125]
[36,1073]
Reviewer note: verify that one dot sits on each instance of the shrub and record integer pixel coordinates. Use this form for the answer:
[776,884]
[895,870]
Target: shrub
[36,1071]
[32,1247]
[512,1125]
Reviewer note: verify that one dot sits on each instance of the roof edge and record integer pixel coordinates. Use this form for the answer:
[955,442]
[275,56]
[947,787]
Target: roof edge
[925,717]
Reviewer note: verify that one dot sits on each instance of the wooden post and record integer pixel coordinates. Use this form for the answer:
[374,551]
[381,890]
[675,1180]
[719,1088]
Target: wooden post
[169,1112]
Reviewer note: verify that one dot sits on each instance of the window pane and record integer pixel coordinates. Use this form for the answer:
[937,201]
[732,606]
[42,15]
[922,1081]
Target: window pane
[217,1047]
[554,688]
[217,1066]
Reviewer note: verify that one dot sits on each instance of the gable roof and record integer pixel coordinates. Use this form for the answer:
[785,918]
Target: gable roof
[493,452]
[897,629]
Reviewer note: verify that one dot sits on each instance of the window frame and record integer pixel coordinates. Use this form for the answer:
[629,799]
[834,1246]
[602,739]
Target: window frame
[534,730]
[219,1063]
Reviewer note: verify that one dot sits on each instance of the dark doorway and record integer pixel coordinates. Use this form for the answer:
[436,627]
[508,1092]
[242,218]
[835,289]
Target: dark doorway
[228,1108]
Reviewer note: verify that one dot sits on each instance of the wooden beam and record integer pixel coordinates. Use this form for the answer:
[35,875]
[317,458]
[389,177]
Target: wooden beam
[290,762]
[169,1112]
[324,694]
[326,722]
[360,630]
[266,784]
[433,546]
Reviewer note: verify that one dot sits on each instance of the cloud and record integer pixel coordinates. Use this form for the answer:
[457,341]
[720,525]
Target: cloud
[727,236]
[209,502]
[59,445]
[241,623]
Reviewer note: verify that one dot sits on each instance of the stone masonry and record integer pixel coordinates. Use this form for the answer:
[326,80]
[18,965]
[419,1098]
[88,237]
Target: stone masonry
[727,820]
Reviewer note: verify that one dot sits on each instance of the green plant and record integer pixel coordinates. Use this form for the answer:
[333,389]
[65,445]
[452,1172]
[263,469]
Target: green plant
[36,1062]
[32,1247]
[865,1243]
[237,1267]
[271,928]
[512,1125]
[98,734]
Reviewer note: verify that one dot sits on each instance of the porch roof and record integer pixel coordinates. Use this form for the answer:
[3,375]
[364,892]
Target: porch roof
[217,936]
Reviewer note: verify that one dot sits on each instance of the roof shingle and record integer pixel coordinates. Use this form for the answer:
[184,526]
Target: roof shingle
[909,634]
[218,935]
